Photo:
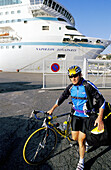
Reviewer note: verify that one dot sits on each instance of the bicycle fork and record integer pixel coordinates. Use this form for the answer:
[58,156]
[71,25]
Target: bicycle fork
[41,144]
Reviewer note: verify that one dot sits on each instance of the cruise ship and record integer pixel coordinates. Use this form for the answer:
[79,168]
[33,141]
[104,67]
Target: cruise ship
[32,31]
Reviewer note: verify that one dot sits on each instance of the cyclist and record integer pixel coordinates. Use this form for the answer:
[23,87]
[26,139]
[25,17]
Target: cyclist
[81,108]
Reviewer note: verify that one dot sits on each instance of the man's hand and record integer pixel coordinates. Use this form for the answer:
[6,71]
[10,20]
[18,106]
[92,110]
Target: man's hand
[50,112]
[52,109]
[100,124]
[99,120]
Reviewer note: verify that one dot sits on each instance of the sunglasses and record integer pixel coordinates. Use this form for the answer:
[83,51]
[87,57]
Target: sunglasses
[74,75]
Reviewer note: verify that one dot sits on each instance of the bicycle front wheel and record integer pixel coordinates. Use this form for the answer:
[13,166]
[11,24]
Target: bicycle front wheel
[39,146]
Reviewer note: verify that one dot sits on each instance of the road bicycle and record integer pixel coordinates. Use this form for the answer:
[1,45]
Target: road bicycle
[42,142]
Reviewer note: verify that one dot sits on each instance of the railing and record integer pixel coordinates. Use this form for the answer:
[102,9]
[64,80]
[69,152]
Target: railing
[96,71]
[99,72]
[55,72]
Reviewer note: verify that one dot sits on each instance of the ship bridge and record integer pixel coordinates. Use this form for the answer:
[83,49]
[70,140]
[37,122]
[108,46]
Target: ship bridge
[50,8]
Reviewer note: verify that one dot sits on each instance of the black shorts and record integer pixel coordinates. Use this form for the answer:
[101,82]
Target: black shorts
[78,123]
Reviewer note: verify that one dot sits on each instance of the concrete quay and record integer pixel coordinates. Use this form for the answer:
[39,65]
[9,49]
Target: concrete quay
[20,93]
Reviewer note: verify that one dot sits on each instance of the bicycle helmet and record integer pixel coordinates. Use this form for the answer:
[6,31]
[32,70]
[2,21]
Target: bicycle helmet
[74,70]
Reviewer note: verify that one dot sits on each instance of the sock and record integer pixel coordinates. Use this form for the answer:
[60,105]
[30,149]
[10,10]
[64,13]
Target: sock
[86,143]
[81,161]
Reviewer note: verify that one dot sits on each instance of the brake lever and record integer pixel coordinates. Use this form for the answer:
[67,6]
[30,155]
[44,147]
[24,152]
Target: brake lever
[32,114]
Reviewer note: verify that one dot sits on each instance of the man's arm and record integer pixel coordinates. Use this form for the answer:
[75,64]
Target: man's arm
[94,92]
[52,109]
[99,120]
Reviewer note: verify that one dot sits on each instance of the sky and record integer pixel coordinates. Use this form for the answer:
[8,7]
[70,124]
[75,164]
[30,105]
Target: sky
[92,17]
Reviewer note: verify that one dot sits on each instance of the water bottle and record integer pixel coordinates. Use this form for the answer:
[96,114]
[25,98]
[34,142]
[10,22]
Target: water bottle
[65,125]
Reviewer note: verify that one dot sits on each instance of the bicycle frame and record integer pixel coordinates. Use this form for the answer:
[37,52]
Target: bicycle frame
[47,123]
[42,142]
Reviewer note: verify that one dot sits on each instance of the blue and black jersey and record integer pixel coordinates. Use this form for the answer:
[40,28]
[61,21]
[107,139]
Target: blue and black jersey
[79,98]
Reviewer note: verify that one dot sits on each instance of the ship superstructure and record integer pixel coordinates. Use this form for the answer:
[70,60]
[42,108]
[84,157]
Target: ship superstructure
[31,30]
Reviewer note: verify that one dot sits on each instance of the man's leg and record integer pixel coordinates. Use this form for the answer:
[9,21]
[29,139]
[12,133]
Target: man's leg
[81,141]
[75,135]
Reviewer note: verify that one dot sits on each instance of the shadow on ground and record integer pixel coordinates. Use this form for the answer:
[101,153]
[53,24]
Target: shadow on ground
[13,134]
[15,130]
[18,86]
[89,163]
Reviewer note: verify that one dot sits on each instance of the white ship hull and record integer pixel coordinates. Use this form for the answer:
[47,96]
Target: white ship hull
[33,55]
[26,40]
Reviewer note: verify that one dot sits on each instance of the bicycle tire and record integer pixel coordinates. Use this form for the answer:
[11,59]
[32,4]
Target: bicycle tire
[39,146]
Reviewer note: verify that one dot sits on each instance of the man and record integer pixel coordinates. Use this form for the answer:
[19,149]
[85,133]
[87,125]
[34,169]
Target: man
[81,108]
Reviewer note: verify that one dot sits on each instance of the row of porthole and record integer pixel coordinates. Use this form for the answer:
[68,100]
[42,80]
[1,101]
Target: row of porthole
[8,21]
[7,47]
[12,12]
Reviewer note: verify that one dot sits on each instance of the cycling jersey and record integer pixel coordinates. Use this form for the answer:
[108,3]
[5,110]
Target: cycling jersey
[79,98]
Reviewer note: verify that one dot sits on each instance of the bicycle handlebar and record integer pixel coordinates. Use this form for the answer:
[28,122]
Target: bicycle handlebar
[34,112]
[39,111]
[49,116]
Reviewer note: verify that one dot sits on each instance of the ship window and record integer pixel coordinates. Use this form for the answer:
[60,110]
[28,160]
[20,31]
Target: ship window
[98,41]
[7,21]
[13,20]
[61,19]
[59,8]
[59,28]
[66,39]
[49,3]
[69,16]
[13,47]
[2,47]
[19,11]
[32,2]
[62,12]
[25,22]
[70,28]
[56,8]
[76,40]
[37,2]
[53,5]
[7,47]
[66,14]
[1,13]
[45,2]
[19,20]
[12,12]
[20,46]
[45,27]
[9,2]
[61,56]
[84,40]
[6,13]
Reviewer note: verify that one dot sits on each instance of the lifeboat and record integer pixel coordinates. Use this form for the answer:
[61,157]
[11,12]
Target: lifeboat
[5,34]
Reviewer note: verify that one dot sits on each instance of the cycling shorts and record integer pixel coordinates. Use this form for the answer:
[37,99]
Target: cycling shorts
[78,123]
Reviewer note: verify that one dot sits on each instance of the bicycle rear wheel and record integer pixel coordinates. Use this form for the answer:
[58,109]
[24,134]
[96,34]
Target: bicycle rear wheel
[39,146]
